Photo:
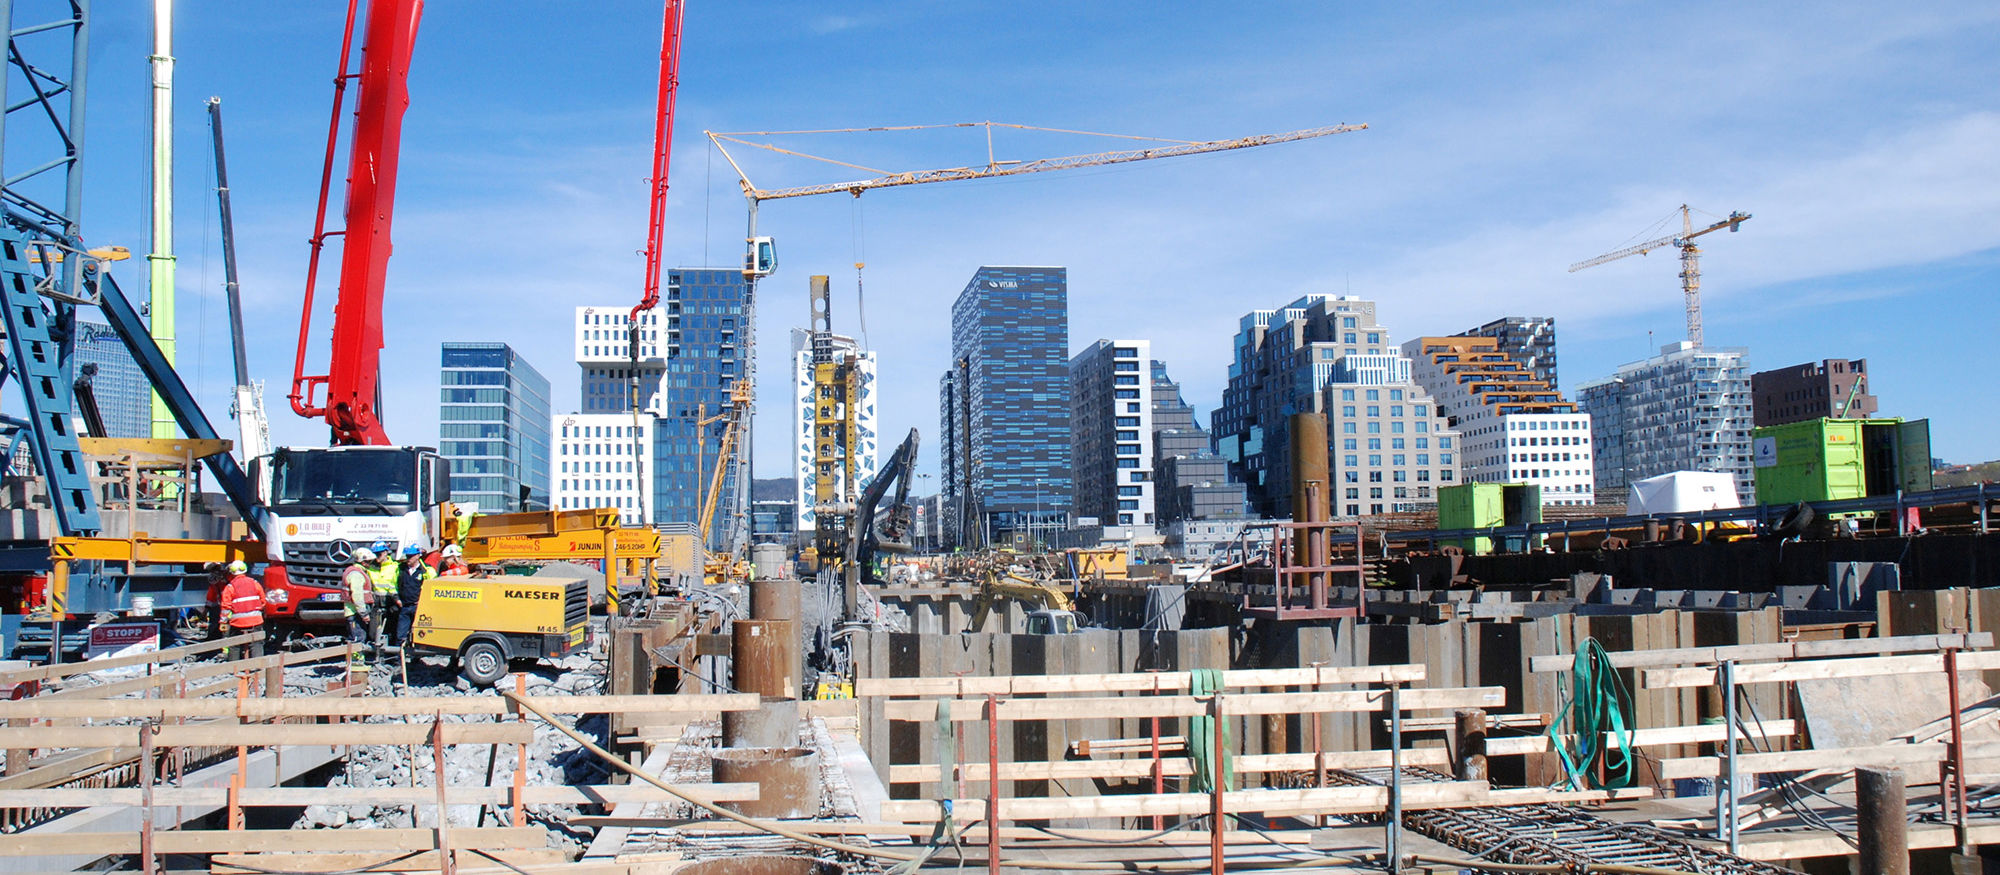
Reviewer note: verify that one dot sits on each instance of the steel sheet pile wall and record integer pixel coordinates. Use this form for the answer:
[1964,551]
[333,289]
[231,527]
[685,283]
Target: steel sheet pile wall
[1457,653]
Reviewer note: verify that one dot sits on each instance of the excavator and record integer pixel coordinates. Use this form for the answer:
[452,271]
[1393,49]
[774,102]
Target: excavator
[1055,615]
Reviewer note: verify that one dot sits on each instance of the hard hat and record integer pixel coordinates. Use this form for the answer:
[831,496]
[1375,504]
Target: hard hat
[452,551]
[412,550]
[363,554]
[238,567]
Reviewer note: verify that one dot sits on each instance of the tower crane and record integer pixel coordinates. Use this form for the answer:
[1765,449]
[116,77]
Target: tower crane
[760,256]
[1690,262]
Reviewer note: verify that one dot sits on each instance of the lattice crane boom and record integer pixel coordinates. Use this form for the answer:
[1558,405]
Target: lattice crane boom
[1690,261]
[1006,168]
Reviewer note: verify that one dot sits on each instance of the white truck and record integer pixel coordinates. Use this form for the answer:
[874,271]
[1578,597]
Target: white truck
[321,503]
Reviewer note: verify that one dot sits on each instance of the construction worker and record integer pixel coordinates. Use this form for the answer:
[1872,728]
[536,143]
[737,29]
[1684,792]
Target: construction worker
[452,563]
[242,602]
[357,589]
[410,583]
[385,575]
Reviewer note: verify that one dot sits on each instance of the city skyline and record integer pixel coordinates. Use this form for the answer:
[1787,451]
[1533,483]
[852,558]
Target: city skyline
[1861,144]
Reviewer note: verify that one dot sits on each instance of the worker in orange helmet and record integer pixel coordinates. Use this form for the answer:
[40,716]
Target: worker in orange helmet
[452,562]
[243,608]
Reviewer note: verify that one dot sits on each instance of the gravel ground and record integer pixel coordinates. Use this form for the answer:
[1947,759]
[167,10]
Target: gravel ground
[553,759]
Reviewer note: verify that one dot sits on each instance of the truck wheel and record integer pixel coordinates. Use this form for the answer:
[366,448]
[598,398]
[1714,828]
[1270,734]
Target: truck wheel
[482,664]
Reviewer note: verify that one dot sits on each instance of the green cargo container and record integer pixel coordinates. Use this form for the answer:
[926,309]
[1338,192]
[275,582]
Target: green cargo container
[1485,505]
[1833,459]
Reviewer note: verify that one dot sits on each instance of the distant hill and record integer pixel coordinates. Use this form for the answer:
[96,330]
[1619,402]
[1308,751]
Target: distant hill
[771,489]
[1967,475]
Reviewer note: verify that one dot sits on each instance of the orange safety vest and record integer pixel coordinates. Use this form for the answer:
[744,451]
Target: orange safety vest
[244,599]
[453,568]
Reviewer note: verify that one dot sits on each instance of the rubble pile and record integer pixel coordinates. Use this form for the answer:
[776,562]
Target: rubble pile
[553,758]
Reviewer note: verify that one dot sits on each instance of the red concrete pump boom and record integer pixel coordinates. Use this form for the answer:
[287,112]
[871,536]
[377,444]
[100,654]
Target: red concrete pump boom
[663,151]
[353,380]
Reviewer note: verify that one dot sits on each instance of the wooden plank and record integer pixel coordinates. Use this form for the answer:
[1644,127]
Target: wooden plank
[377,706]
[1801,846]
[1668,735]
[217,841]
[1817,670]
[536,859]
[1133,682]
[1322,800]
[170,675]
[1841,759]
[266,734]
[1783,650]
[1171,767]
[1329,800]
[918,710]
[171,654]
[601,794]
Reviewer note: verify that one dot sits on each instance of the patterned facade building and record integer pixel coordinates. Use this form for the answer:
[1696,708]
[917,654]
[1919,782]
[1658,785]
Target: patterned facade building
[1513,426]
[1530,340]
[805,428]
[1686,409]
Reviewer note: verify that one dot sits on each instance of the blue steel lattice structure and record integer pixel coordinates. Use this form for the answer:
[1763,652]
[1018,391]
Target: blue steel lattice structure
[1010,327]
[493,416]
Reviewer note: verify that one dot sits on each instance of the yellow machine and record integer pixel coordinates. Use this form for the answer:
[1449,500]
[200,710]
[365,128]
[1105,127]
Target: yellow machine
[486,622]
[1054,614]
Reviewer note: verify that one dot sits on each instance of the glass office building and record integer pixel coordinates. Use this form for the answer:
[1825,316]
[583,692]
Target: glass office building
[493,420]
[693,348]
[708,350]
[124,398]
[1010,471]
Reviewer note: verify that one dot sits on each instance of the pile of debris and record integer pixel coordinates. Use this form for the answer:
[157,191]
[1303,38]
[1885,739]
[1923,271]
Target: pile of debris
[553,758]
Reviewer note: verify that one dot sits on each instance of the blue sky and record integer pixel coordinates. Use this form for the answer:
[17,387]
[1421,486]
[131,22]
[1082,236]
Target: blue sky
[1505,144]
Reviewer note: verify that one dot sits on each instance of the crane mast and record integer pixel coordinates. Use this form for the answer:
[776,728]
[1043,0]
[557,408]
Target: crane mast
[352,384]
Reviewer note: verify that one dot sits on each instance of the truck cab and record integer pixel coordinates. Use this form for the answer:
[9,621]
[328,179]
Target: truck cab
[321,503]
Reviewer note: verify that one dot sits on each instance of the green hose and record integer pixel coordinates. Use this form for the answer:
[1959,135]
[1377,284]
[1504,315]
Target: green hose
[1599,704]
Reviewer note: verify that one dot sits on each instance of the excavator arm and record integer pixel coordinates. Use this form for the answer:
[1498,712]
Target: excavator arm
[1044,595]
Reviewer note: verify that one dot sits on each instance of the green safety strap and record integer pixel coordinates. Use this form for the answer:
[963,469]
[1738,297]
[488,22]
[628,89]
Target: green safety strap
[1201,736]
[1599,704]
[946,831]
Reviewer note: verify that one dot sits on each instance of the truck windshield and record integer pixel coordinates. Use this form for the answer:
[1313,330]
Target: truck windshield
[366,481]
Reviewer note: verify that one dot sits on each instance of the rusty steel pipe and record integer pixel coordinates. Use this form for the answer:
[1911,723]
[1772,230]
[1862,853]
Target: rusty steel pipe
[787,779]
[760,650]
[1312,486]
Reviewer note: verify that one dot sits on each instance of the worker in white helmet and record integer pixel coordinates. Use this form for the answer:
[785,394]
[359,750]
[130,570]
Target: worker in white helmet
[452,562]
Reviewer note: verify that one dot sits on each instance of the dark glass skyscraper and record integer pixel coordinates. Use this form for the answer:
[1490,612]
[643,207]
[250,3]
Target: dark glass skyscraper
[493,426]
[1009,386]
[708,351]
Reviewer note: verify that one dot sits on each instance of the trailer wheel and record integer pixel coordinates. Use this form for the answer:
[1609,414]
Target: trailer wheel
[482,663]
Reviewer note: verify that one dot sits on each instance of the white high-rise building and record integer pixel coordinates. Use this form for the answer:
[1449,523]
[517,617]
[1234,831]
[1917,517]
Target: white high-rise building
[594,465]
[1111,433]
[603,351]
[805,431]
[1686,409]
[1513,427]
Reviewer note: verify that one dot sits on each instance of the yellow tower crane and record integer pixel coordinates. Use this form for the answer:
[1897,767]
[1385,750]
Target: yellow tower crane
[1690,262]
[760,258]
